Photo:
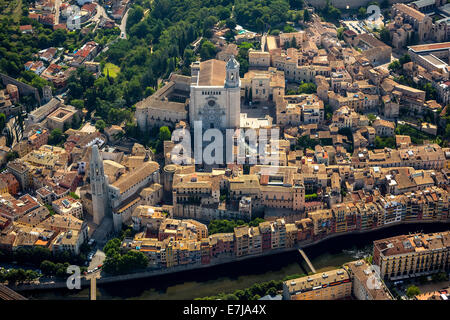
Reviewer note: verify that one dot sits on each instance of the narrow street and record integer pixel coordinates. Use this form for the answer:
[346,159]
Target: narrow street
[100,13]
[123,25]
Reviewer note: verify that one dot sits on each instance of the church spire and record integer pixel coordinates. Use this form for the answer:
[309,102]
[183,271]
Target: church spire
[99,189]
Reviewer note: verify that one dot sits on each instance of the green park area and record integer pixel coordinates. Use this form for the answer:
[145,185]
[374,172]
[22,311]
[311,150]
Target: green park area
[11,8]
[111,69]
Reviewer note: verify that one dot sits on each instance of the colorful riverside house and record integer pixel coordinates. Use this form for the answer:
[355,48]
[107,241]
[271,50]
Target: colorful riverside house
[221,243]
[170,255]
[205,251]
[266,234]
[305,229]
[323,223]
[241,236]
[351,216]
[291,235]
[254,245]
[339,215]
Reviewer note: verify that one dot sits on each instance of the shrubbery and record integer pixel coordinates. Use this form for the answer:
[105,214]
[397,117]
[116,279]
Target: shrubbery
[118,263]
[255,292]
[226,226]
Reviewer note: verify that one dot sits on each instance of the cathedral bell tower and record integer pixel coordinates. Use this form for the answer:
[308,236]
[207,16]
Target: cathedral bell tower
[233,89]
[232,79]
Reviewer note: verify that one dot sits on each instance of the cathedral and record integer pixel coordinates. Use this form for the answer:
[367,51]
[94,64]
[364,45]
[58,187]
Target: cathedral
[215,94]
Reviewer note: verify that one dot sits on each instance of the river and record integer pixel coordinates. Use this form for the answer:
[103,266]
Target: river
[240,275]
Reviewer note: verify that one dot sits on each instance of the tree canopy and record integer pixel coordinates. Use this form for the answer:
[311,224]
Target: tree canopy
[117,262]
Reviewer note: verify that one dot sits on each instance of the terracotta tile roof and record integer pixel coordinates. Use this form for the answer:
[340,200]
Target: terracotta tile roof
[212,73]
[409,11]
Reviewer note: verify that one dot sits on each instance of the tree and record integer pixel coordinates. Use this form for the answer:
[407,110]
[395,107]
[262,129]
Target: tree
[56,137]
[439,277]
[386,142]
[207,50]
[11,155]
[447,131]
[412,291]
[100,125]
[188,57]
[430,91]
[134,16]
[296,4]
[330,12]
[306,15]
[385,36]
[164,133]
[48,268]
[307,88]
[2,121]
[371,117]
[117,263]
[405,59]
[395,66]
[77,103]
[362,12]
[74,195]
[272,291]
[111,247]
[306,142]
[230,23]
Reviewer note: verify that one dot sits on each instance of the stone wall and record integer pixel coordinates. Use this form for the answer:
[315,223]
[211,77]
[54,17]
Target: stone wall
[24,89]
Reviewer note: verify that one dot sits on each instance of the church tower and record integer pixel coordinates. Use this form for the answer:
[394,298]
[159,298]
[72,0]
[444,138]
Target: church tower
[233,89]
[99,186]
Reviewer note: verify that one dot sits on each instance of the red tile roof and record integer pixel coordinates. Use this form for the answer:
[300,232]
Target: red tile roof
[26,27]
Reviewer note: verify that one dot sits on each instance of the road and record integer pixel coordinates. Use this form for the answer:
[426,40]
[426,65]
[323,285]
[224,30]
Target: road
[123,25]
[97,259]
[100,13]
[57,5]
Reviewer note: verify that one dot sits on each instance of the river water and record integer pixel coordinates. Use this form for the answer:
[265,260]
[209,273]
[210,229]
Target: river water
[242,274]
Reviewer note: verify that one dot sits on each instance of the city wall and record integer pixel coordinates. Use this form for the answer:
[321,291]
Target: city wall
[24,89]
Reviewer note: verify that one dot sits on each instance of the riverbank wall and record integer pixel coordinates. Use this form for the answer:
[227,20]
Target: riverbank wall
[217,261]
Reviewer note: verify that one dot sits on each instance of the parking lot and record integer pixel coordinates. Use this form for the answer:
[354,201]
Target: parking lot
[355,25]
[97,259]
[400,287]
